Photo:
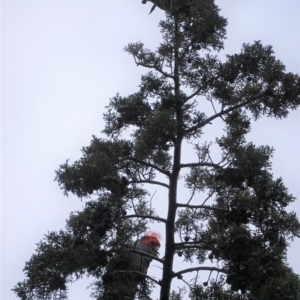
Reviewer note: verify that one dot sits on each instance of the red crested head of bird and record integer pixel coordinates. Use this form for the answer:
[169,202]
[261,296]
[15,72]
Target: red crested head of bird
[151,240]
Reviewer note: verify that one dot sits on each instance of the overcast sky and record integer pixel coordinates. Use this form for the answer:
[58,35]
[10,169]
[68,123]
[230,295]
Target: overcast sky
[61,61]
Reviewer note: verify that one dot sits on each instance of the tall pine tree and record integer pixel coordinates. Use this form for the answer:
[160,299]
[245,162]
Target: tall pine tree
[241,225]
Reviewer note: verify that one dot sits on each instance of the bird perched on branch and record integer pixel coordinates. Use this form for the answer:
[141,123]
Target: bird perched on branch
[126,269]
[172,6]
[162,4]
[149,244]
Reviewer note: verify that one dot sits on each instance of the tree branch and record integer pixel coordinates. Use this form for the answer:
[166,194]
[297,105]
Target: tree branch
[201,206]
[212,103]
[194,94]
[199,269]
[222,112]
[146,254]
[155,68]
[193,193]
[148,165]
[137,272]
[145,217]
[189,245]
[200,165]
[150,181]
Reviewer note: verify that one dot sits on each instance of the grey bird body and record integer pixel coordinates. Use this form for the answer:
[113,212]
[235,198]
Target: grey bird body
[140,263]
[125,271]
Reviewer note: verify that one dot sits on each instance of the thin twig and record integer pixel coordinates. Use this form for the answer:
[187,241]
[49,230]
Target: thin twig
[217,276]
[145,217]
[199,269]
[201,164]
[190,247]
[210,275]
[146,164]
[228,110]
[151,182]
[146,254]
[201,206]
[151,200]
[137,272]
[186,283]
[193,193]
[208,197]
[155,68]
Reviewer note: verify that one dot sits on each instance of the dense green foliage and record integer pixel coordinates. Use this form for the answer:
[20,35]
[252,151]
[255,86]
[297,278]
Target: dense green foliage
[241,226]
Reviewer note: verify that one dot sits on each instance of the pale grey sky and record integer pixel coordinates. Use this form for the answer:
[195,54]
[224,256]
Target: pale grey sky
[61,61]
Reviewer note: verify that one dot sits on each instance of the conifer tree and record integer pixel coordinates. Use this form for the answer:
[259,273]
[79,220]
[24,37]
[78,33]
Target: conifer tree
[241,225]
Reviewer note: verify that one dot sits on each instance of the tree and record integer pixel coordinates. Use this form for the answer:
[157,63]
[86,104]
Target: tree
[241,225]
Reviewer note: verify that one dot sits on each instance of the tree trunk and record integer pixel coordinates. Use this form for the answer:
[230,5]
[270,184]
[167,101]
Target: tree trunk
[170,224]
[170,227]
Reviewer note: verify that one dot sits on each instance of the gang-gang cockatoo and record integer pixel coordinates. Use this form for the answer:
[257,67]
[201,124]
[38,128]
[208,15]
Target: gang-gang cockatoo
[149,244]
[171,6]
[124,273]
[162,4]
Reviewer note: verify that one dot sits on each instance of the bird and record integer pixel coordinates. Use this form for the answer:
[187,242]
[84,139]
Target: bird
[162,4]
[126,269]
[149,244]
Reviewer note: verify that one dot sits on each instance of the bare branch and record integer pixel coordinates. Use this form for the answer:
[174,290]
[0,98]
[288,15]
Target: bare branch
[151,200]
[138,63]
[201,206]
[149,277]
[132,202]
[201,164]
[208,154]
[145,217]
[213,106]
[146,254]
[194,94]
[193,193]
[208,197]
[212,103]
[188,245]
[217,277]
[199,269]
[150,181]
[210,275]
[186,282]
[155,68]
[147,165]
[222,112]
